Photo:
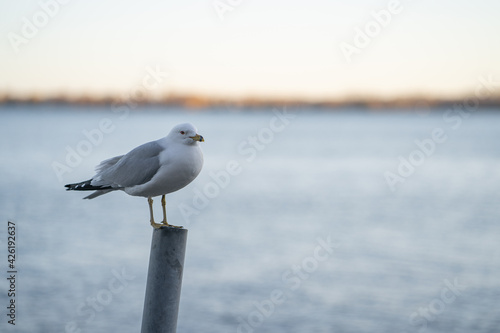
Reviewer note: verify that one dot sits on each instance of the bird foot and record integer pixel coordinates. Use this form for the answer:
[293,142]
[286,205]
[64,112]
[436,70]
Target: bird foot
[156,225]
[165,224]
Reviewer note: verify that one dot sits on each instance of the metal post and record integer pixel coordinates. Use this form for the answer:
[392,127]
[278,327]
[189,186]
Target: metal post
[163,287]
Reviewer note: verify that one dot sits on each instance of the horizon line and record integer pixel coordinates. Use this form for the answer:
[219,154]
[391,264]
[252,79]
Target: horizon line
[198,101]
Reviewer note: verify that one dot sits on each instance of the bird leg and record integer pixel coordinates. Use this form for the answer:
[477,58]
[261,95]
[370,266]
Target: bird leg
[163,206]
[153,224]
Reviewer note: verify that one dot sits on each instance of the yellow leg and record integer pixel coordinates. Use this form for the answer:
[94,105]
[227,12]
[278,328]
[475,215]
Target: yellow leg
[163,206]
[153,224]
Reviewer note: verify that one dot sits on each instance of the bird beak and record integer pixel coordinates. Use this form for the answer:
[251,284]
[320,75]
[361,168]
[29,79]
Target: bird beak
[197,137]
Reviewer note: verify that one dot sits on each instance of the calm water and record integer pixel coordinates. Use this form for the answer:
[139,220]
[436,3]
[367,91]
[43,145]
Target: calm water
[305,235]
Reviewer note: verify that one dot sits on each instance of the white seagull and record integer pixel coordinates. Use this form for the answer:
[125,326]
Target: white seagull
[152,169]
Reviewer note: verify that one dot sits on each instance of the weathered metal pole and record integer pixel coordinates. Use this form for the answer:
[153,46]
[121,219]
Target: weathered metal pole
[163,287]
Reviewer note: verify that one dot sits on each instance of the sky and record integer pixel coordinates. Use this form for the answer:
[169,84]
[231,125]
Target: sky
[312,49]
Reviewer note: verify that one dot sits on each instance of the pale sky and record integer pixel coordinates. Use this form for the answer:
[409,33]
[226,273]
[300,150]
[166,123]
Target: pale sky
[250,47]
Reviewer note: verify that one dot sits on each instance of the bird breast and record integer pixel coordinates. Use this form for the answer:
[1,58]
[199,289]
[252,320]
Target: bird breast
[179,167]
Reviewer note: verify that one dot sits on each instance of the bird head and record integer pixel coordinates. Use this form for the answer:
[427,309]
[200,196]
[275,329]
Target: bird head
[185,133]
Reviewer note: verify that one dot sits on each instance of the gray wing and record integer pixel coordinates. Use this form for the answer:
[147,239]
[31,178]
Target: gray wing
[106,164]
[135,168]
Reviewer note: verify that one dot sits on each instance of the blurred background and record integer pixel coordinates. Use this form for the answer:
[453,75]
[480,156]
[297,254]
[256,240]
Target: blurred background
[352,162]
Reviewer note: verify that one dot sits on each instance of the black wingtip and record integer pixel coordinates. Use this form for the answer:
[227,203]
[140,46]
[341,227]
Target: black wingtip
[86,186]
[77,186]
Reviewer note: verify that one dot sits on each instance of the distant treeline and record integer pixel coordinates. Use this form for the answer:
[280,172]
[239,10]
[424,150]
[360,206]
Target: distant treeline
[201,102]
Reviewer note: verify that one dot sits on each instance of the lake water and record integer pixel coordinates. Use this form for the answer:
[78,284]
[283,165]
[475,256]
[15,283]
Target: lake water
[293,224]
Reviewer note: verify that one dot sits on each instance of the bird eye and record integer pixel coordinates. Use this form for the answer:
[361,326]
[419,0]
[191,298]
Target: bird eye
[182,132]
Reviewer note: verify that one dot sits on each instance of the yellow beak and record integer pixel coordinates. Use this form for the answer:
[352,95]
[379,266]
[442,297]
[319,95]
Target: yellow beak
[197,137]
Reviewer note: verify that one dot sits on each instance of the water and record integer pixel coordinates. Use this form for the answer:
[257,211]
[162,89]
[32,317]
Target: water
[305,235]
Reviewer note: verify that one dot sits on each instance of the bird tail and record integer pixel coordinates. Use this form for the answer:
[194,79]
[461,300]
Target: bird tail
[87,186]
[98,193]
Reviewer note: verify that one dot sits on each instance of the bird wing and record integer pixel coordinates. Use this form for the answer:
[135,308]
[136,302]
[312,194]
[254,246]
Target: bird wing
[135,168]
[106,164]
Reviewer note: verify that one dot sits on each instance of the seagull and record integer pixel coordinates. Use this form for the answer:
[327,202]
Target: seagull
[152,169]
